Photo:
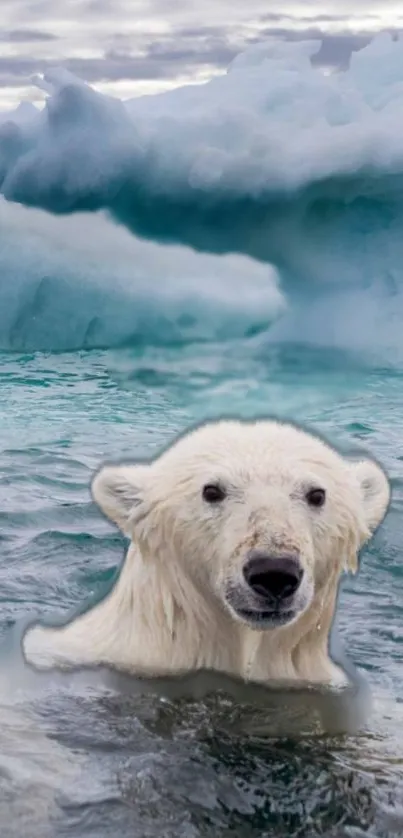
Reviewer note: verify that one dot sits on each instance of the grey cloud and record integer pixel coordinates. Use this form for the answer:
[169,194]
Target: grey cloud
[277,17]
[41,10]
[154,59]
[15,72]
[179,12]
[202,32]
[96,7]
[215,51]
[335,49]
[142,55]
[25,36]
[167,59]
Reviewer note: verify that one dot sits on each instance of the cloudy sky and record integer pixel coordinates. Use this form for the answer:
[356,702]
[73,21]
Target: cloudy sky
[131,47]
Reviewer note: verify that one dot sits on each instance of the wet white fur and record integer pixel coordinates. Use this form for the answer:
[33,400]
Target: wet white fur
[167,612]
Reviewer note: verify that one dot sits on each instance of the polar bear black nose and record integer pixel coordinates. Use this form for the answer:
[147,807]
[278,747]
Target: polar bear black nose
[272,577]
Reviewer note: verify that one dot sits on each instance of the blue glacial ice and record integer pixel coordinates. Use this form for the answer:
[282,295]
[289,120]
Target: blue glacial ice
[273,160]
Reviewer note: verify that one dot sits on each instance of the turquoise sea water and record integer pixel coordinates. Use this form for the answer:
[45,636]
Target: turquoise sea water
[92,757]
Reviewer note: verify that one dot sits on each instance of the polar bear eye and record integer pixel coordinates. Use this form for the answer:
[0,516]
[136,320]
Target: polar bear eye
[316,497]
[213,493]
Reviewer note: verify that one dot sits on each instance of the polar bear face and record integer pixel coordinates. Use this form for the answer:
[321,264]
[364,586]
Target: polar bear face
[260,517]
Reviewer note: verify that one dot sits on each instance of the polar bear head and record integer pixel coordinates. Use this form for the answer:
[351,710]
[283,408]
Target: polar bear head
[259,516]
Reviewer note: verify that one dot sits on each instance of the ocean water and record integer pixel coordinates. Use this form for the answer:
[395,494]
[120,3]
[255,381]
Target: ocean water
[233,248]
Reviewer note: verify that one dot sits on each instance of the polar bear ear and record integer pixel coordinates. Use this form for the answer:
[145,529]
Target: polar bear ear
[119,491]
[375,491]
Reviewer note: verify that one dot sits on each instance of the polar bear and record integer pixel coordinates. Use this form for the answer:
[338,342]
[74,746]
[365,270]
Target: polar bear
[239,533]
